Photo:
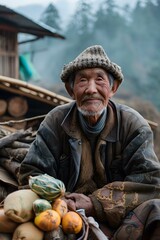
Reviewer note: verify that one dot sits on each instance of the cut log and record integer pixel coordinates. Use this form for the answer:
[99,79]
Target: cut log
[16,144]
[14,154]
[10,166]
[3,107]
[33,122]
[17,106]
[5,141]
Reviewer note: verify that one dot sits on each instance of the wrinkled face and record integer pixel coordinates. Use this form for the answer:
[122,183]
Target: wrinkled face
[92,91]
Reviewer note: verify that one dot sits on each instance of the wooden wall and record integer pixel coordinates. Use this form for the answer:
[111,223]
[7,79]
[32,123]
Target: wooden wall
[9,63]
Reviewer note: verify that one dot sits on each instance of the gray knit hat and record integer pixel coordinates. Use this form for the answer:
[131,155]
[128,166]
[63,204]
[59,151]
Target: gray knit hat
[92,57]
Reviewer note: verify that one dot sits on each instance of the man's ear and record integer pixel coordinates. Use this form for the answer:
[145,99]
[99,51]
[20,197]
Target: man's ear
[114,88]
[69,90]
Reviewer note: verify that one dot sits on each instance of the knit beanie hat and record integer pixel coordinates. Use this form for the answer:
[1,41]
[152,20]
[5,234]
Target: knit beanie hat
[92,57]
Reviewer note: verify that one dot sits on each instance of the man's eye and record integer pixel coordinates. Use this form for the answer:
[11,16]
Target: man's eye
[99,79]
[83,80]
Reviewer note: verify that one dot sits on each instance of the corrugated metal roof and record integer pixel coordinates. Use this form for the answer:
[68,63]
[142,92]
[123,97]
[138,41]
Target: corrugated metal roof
[25,25]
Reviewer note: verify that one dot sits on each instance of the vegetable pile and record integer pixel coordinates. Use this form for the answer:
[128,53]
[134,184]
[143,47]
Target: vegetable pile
[39,213]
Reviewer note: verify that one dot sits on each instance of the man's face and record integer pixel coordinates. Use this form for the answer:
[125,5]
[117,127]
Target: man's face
[92,91]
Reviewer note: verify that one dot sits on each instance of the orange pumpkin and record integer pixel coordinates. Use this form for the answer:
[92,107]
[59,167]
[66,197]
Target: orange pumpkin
[72,223]
[47,220]
[60,206]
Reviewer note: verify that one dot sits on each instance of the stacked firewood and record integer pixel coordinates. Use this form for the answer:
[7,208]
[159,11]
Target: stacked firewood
[15,106]
[14,145]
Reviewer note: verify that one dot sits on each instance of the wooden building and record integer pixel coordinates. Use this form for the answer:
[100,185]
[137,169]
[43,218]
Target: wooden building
[12,23]
[18,99]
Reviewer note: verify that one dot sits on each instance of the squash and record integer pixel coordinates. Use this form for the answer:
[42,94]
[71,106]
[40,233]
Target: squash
[60,206]
[47,220]
[40,205]
[72,223]
[47,187]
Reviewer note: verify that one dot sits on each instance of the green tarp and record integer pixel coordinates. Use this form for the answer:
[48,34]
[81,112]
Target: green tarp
[27,70]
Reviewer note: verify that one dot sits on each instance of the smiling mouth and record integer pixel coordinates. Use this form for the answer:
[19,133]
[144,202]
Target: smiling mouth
[92,100]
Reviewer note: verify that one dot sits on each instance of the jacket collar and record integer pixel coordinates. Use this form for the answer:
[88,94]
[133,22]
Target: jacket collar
[72,128]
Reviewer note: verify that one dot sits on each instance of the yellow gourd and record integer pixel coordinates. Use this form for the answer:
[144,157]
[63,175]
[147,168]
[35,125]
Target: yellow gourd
[72,223]
[60,206]
[47,220]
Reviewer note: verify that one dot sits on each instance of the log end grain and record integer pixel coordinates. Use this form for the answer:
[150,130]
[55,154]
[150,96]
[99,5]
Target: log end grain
[17,106]
[3,107]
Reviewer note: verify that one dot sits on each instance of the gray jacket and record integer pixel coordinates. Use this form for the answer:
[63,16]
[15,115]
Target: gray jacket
[126,172]
[125,148]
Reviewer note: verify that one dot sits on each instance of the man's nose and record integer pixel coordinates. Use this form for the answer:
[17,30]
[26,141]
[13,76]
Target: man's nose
[91,87]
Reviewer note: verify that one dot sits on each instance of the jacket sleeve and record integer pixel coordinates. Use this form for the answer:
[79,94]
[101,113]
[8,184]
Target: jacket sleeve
[115,200]
[41,157]
[141,180]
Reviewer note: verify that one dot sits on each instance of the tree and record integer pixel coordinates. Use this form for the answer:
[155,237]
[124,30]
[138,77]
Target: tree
[108,19]
[146,39]
[51,17]
[81,22]
[79,29]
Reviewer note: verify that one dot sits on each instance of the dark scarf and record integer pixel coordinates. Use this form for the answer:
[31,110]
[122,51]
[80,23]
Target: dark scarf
[92,132]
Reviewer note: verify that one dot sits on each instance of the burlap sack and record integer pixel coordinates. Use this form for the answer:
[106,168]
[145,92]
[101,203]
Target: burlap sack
[27,231]
[6,224]
[18,205]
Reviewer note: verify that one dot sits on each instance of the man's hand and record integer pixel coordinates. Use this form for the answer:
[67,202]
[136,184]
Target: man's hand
[77,201]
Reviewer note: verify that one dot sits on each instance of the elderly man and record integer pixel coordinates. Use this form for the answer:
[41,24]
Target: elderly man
[101,150]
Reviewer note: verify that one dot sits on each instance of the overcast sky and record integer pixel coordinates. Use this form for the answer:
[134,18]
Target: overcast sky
[18,3]
[65,7]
